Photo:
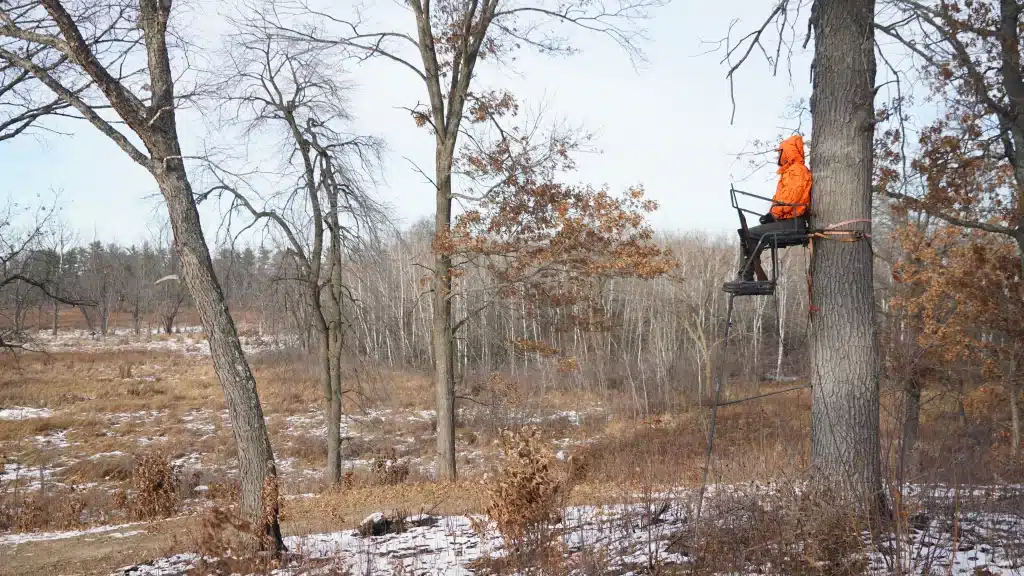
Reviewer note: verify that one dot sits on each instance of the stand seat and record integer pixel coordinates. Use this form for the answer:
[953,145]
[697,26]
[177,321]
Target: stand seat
[752,288]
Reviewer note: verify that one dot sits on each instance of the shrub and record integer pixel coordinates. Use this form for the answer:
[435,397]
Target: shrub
[527,494]
[153,491]
[387,469]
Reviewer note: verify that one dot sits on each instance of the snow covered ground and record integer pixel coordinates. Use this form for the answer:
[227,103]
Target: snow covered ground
[23,413]
[451,545]
[621,539]
[98,531]
[189,341]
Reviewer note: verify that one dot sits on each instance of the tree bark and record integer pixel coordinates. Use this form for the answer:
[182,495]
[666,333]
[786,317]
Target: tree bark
[845,455]
[1015,417]
[330,387]
[334,410]
[1014,391]
[444,365]
[56,316]
[255,456]
[335,318]
[88,320]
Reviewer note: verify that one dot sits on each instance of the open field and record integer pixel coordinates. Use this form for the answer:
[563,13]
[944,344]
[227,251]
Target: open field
[79,420]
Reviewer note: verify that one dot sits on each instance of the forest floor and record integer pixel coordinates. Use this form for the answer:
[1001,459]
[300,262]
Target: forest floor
[77,418]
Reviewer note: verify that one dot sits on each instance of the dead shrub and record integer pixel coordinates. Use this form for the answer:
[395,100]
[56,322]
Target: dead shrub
[154,490]
[224,493]
[782,533]
[271,495]
[387,469]
[55,508]
[223,543]
[526,499]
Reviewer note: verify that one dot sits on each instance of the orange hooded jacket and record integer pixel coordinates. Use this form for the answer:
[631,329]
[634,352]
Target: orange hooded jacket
[794,180]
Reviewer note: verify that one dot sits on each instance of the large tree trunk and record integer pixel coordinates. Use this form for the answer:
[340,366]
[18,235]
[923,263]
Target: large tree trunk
[328,374]
[334,409]
[444,368]
[1015,416]
[255,456]
[335,294]
[88,319]
[104,313]
[845,457]
[329,356]
[1013,389]
[56,316]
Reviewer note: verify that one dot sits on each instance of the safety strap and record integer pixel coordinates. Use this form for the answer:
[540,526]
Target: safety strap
[831,232]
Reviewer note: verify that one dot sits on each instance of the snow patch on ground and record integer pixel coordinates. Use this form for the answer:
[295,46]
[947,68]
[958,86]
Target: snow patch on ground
[189,340]
[56,439]
[198,421]
[24,413]
[116,419]
[629,538]
[15,539]
[13,472]
[193,460]
[113,454]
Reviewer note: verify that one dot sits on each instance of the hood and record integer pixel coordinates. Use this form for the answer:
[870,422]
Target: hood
[792,151]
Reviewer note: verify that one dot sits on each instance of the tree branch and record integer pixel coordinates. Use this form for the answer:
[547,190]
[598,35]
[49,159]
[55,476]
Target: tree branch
[956,221]
[75,101]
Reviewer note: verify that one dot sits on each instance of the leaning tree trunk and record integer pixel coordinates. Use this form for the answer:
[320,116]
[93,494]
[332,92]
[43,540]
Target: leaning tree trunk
[88,319]
[255,456]
[444,368]
[845,458]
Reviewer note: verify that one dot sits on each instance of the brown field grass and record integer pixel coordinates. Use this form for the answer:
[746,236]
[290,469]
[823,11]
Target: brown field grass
[72,319]
[107,418]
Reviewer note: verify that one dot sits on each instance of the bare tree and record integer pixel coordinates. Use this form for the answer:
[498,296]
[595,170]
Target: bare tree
[24,266]
[59,244]
[442,45]
[137,272]
[322,208]
[99,44]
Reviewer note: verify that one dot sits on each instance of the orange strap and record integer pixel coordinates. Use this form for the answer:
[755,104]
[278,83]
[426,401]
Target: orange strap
[830,232]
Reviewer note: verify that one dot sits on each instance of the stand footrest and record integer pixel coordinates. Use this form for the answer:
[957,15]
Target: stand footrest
[749,288]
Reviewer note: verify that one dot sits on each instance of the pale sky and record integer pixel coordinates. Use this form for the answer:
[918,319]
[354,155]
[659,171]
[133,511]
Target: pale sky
[665,126]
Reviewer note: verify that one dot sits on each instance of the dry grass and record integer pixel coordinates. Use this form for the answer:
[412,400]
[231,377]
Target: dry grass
[785,534]
[110,406]
[154,491]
